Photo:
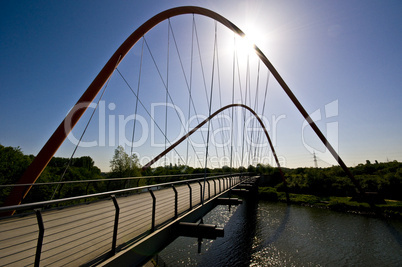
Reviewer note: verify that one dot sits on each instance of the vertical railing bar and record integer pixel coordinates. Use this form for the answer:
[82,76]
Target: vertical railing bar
[220,188]
[153,210]
[209,190]
[86,190]
[214,186]
[175,201]
[40,237]
[191,197]
[116,225]
[200,192]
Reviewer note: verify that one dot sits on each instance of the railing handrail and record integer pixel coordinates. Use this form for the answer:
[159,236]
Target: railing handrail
[108,193]
[111,179]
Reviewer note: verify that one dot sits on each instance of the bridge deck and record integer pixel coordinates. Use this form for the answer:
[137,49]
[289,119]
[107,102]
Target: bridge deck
[79,234]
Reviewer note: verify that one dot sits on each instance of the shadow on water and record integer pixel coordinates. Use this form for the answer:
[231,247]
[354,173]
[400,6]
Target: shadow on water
[235,248]
[278,232]
[257,233]
[394,232]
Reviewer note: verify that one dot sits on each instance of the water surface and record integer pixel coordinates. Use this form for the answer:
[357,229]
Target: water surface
[274,234]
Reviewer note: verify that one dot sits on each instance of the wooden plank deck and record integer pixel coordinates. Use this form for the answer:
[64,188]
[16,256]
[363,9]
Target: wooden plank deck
[79,234]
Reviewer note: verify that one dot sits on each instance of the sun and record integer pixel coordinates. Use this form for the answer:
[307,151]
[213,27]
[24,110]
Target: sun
[247,43]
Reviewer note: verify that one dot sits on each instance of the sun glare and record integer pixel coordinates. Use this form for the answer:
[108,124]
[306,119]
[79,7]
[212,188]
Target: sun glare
[246,44]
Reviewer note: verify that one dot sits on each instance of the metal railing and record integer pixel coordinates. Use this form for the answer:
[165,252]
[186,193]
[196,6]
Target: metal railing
[147,179]
[225,181]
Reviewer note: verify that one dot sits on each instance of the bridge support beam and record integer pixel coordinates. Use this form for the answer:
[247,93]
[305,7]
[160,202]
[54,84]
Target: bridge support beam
[199,230]
[240,192]
[229,201]
[142,251]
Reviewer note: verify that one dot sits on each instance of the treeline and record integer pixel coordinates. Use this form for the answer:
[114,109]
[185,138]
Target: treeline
[13,164]
[384,178]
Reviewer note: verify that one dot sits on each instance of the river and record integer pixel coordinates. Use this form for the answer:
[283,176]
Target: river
[275,234]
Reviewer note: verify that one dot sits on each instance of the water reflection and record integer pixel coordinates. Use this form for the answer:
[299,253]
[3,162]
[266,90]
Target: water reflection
[274,234]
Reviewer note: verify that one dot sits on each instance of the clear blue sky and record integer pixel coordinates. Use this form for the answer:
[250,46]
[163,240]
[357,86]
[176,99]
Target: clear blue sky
[345,51]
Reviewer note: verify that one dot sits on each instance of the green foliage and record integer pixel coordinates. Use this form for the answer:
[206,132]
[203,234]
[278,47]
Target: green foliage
[123,165]
[82,168]
[268,193]
[13,163]
[385,178]
[392,208]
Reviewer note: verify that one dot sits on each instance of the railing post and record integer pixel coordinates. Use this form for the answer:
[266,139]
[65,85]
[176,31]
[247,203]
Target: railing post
[40,237]
[86,189]
[116,224]
[153,210]
[191,197]
[175,201]
[220,188]
[200,192]
[57,192]
[214,186]
[209,190]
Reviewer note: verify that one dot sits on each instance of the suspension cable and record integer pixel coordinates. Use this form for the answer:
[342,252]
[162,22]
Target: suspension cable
[83,133]
[167,88]
[263,106]
[244,114]
[171,100]
[232,109]
[189,87]
[202,70]
[191,101]
[146,110]
[255,108]
[220,100]
[138,93]
[209,114]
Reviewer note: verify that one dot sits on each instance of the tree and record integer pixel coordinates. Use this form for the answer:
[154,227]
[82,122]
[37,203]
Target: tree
[123,165]
[13,163]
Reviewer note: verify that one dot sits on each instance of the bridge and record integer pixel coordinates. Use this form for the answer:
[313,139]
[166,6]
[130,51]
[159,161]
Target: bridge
[129,225]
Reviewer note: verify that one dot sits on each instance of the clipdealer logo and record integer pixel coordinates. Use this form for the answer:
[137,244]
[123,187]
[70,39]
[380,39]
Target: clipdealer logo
[331,129]
[113,127]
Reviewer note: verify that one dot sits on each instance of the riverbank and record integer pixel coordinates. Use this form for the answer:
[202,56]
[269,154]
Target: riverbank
[392,208]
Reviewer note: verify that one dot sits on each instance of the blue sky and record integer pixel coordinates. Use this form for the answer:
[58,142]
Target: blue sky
[326,51]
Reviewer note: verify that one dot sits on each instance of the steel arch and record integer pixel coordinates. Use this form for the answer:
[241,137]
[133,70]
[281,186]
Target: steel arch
[52,145]
[208,119]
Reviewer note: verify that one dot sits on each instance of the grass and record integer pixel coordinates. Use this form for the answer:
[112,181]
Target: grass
[392,208]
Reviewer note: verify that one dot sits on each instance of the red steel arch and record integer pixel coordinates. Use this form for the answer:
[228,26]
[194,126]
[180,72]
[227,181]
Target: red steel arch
[208,119]
[52,145]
